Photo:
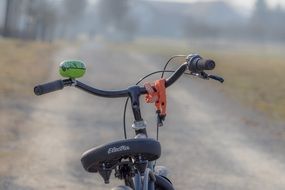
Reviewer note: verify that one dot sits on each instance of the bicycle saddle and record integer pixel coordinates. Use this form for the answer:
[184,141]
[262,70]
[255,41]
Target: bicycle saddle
[111,153]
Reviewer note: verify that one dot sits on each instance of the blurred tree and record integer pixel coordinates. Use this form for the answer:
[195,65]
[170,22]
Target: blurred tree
[198,29]
[42,20]
[30,19]
[260,20]
[261,9]
[73,12]
[6,28]
[277,26]
[12,18]
[267,24]
[74,9]
[215,19]
[116,19]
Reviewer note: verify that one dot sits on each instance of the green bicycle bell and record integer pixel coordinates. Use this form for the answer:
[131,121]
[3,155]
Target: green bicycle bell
[72,69]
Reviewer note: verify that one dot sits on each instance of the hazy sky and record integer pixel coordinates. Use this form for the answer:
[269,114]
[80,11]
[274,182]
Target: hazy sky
[248,4]
[241,3]
[244,6]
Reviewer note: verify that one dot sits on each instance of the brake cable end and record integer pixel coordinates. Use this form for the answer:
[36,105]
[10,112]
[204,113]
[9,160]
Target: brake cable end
[159,118]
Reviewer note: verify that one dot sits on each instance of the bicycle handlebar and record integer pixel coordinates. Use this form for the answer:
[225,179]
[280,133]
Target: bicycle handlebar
[59,84]
[195,63]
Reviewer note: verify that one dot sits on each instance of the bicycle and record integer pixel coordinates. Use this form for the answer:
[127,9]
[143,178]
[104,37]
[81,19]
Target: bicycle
[134,159]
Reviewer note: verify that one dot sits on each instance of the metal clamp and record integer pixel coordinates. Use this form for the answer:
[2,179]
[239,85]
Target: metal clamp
[138,125]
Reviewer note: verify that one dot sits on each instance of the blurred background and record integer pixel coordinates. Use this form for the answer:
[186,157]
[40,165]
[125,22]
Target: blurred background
[235,132]
[254,21]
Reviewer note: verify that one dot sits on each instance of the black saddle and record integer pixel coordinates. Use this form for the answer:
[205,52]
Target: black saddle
[111,153]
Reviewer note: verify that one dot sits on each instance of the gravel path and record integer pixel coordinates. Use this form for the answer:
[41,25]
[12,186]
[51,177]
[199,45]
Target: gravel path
[209,141]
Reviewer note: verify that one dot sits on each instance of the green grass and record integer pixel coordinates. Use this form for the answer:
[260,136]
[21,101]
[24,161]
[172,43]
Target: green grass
[253,73]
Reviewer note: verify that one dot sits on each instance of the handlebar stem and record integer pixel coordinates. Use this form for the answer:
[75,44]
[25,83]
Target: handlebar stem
[134,93]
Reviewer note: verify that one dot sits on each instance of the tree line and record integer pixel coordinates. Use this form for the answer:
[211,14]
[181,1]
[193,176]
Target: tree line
[42,19]
[264,24]
[119,19]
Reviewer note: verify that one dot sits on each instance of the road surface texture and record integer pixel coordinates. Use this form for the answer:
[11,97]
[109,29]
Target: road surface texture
[208,142]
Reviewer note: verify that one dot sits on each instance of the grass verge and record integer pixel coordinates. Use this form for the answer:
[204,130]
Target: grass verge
[22,64]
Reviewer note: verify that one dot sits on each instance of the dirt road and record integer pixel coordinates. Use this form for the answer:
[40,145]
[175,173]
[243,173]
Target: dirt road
[208,141]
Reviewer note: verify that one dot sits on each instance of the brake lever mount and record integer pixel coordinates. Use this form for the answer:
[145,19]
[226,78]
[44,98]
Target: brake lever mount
[201,75]
[205,76]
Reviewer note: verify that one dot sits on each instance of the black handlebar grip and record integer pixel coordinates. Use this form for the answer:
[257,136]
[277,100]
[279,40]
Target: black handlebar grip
[197,64]
[48,87]
[205,64]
